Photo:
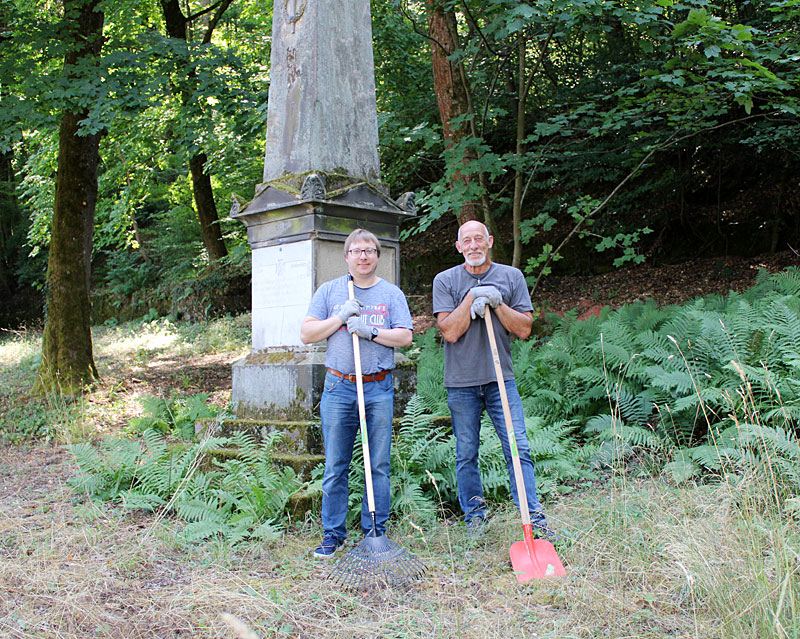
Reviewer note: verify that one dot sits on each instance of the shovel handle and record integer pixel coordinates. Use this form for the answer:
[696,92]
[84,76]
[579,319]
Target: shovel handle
[362,413]
[512,442]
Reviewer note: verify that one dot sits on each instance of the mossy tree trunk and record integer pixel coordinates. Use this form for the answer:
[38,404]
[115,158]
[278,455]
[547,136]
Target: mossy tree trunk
[67,361]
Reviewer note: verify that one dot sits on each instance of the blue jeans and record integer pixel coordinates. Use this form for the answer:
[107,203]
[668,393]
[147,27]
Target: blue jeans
[340,426]
[466,407]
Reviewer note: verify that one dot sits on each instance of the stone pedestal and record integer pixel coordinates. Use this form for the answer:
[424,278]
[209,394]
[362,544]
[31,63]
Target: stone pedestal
[296,228]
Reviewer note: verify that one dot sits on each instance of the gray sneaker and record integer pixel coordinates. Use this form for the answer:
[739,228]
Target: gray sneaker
[542,531]
[476,527]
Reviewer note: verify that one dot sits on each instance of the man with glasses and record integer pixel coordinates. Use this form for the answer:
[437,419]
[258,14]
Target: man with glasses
[380,317]
[461,296]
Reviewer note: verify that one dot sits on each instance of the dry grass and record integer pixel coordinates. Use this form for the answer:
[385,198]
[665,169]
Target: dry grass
[646,559]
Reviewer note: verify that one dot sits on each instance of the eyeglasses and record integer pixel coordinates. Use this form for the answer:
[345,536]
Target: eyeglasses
[357,252]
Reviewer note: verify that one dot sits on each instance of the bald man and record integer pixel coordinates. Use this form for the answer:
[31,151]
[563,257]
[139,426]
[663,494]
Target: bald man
[461,296]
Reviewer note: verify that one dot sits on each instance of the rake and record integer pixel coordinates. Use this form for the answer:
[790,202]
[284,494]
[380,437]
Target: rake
[375,561]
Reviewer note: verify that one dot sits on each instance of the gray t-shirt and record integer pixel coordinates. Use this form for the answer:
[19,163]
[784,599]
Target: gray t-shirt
[468,361]
[385,306]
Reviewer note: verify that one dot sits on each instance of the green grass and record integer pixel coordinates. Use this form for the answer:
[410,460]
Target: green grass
[120,353]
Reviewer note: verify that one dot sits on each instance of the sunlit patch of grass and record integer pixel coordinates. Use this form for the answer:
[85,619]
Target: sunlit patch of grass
[20,352]
[138,341]
[119,352]
[223,334]
[134,339]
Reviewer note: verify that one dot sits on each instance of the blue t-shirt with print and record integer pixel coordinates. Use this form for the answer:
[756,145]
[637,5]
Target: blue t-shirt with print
[385,306]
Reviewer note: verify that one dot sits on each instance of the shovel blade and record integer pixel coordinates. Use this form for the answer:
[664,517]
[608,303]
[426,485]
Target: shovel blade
[536,559]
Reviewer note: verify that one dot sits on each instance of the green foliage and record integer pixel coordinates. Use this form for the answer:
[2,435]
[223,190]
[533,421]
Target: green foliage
[20,424]
[750,455]
[702,390]
[610,85]
[427,356]
[146,229]
[649,378]
[234,499]
[175,415]
[424,451]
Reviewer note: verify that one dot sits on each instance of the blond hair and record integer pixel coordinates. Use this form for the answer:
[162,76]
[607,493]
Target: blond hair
[362,234]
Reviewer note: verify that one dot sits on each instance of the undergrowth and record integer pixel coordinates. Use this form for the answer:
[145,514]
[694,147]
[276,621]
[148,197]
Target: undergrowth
[678,424]
[233,498]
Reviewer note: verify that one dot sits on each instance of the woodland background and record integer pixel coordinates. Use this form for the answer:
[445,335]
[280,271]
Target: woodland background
[638,160]
[587,134]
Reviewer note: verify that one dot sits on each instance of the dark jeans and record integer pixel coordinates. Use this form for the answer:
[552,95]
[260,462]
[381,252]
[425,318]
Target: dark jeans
[466,407]
[340,426]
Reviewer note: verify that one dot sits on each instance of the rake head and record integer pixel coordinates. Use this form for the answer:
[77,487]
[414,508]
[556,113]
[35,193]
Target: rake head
[376,562]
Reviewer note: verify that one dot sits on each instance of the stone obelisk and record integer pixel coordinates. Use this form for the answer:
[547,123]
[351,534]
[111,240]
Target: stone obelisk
[321,113]
[321,181]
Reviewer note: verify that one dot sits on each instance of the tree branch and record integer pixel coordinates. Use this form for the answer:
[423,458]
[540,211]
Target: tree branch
[223,6]
[670,142]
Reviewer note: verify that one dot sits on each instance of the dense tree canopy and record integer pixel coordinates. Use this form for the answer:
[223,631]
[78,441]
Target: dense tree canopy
[634,129]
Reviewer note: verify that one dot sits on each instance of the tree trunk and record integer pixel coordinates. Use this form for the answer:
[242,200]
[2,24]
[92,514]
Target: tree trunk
[452,92]
[520,142]
[176,24]
[67,362]
[207,209]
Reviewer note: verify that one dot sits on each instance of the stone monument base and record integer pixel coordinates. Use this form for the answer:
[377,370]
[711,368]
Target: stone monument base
[282,383]
[285,383]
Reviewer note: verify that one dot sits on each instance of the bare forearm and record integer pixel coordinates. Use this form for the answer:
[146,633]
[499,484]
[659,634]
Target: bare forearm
[315,330]
[394,337]
[517,322]
[454,324]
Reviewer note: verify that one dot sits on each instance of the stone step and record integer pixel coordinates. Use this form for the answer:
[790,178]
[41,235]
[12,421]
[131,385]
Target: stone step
[302,464]
[304,501]
[296,437]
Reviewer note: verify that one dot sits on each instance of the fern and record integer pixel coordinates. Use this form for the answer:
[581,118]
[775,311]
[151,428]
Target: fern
[234,499]
[175,415]
[786,282]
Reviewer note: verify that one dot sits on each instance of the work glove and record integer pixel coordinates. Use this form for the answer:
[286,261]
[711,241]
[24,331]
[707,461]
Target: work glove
[357,326]
[492,295]
[478,308]
[349,308]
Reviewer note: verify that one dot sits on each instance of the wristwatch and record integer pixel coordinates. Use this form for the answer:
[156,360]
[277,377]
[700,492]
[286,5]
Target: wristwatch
[374,334]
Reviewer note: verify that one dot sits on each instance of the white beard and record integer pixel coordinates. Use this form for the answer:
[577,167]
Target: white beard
[476,261]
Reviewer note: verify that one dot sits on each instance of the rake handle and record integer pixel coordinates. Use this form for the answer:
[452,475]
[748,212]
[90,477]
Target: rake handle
[512,442]
[362,415]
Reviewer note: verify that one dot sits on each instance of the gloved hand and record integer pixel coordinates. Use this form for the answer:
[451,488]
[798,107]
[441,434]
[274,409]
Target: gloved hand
[355,325]
[478,308]
[492,295]
[349,308]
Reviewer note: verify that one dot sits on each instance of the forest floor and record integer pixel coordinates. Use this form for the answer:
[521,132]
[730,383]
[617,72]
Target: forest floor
[70,567]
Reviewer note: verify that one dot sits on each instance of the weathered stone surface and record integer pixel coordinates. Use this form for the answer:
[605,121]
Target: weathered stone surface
[303,502]
[279,384]
[301,437]
[321,114]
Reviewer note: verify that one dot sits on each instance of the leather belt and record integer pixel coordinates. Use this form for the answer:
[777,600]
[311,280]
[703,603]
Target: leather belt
[375,377]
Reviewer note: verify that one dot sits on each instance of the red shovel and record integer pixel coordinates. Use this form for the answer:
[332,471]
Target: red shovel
[531,558]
